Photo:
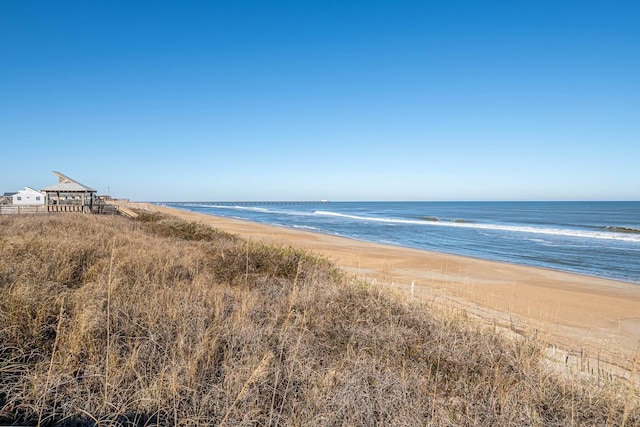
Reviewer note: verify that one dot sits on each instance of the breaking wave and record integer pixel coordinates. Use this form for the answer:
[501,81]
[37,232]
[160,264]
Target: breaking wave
[609,234]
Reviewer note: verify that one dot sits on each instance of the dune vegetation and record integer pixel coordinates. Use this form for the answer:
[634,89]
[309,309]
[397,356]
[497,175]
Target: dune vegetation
[109,321]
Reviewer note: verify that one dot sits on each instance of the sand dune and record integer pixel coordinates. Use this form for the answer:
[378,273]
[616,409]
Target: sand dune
[585,315]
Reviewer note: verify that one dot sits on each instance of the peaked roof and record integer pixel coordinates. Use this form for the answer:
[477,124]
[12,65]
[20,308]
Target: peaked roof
[67,184]
[29,189]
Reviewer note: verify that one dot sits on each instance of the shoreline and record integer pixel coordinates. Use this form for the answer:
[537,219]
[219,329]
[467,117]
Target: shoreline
[582,314]
[536,242]
[557,270]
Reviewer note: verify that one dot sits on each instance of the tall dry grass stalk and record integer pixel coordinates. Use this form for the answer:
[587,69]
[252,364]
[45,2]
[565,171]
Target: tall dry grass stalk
[53,354]
[632,389]
[107,321]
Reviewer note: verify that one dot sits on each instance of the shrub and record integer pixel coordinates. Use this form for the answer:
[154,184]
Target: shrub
[106,320]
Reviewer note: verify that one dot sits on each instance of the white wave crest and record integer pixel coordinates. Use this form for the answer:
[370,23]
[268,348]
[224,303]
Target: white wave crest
[305,227]
[567,232]
[248,208]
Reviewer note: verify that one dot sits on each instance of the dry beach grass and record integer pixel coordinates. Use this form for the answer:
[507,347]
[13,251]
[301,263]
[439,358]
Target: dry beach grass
[596,321]
[109,321]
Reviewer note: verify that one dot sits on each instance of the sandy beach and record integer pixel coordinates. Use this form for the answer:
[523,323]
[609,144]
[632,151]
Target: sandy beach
[587,318]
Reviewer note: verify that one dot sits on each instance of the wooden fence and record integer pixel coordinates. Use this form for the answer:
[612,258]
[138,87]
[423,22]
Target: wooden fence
[15,210]
[97,208]
[9,210]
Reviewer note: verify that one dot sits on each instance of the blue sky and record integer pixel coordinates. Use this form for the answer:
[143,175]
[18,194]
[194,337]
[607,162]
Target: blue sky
[339,100]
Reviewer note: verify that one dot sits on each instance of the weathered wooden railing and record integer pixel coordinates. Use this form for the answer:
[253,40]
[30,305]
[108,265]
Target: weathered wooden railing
[96,208]
[14,210]
[69,208]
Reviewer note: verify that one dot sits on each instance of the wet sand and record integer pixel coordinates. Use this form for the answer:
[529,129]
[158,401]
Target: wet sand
[599,318]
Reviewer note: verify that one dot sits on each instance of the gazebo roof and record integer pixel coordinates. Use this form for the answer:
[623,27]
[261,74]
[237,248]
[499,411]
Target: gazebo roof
[66,184]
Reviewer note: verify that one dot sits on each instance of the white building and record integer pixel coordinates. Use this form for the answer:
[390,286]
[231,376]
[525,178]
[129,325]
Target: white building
[28,197]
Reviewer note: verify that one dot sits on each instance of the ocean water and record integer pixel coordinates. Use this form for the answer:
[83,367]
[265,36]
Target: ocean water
[593,238]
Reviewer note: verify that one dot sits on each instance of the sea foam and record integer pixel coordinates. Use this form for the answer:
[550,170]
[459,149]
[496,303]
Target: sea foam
[567,232]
